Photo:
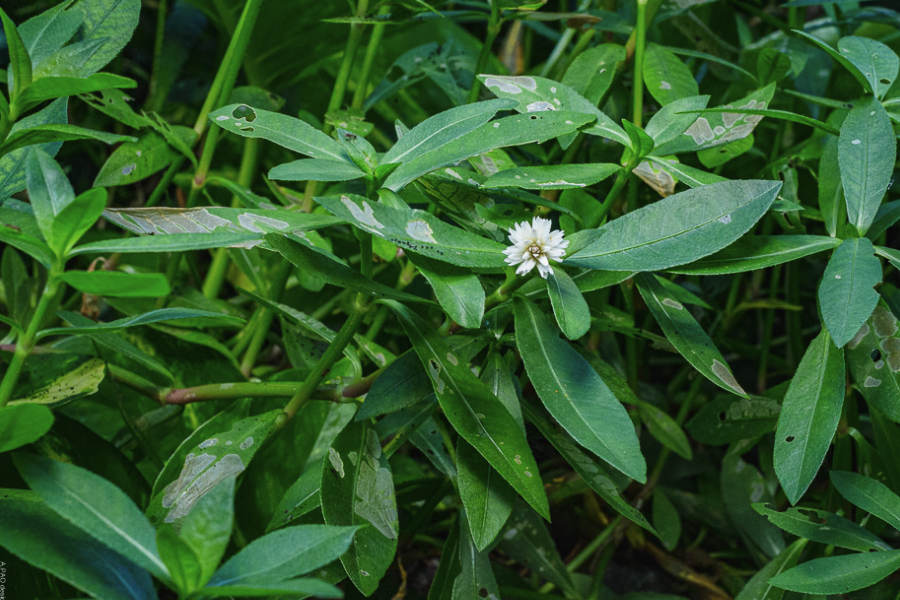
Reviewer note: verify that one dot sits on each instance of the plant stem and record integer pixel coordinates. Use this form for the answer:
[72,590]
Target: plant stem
[362,86]
[589,550]
[266,316]
[26,343]
[493,29]
[504,292]
[215,277]
[164,183]
[154,102]
[640,44]
[621,180]
[334,351]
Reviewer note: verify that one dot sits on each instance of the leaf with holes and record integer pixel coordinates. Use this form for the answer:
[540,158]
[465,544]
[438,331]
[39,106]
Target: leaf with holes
[809,416]
[551,177]
[873,357]
[823,527]
[874,60]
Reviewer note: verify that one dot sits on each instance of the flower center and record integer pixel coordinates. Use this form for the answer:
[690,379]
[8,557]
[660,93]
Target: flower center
[535,250]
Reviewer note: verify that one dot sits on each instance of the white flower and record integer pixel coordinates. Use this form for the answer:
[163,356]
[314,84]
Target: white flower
[534,245]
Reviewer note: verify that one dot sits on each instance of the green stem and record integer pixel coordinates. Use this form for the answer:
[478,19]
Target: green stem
[26,343]
[591,548]
[621,180]
[493,29]
[365,254]
[164,183]
[215,277]
[362,86]
[504,292]
[265,319]
[334,352]
[640,44]
[231,64]
[154,101]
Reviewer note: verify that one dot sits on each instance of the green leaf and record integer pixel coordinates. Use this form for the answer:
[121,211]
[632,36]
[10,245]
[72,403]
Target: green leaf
[404,383]
[284,554]
[12,165]
[551,177]
[728,419]
[19,61]
[137,160]
[809,416]
[418,231]
[666,520]
[50,88]
[714,157]
[96,506]
[76,219]
[358,490]
[831,193]
[180,559]
[154,316]
[361,152]
[508,131]
[117,284]
[593,71]
[528,542]
[720,125]
[476,578]
[846,293]
[301,498]
[23,424]
[226,453]
[49,190]
[61,389]
[665,429]
[479,417]
[683,331]
[823,527]
[672,119]
[753,252]
[204,533]
[574,394]
[458,291]
[329,268]
[12,234]
[46,33]
[772,66]
[840,58]
[873,356]
[759,113]
[175,242]
[866,153]
[315,169]
[34,533]
[759,588]
[839,574]
[666,77]
[874,60]
[109,23]
[868,494]
[569,307]
[539,95]
[887,216]
[486,497]
[443,128]
[741,484]
[294,588]
[591,471]
[52,132]
[291,133]
[449,566]
[679,229]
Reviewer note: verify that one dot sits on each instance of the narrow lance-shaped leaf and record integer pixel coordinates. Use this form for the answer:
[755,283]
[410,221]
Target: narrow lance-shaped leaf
[551,177]
[683,331]
[874,60]
[19,61]
[418,231]
[357,489]
[667,78]
[839,574]
[486,497]
[569,306]
[508,131]
[809,416]
[831,192]
[291,133]
[846,293]
[53,132]
[458,291]
[476,578]
[154,316]
[840,58]
[679,229]
[479,417]
[574,394]
[823,527]
[759,588]
[866,153]
[868,494]
[96,506]
[754,252]
[23,424]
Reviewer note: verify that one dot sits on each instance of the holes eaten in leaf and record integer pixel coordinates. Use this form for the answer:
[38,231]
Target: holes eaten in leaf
[244,112]
[789,439]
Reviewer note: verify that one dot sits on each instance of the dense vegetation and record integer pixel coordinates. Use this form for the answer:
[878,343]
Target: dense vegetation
[469,299]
